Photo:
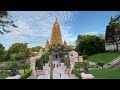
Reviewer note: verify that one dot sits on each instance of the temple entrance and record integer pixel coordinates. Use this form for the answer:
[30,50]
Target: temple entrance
[56,56]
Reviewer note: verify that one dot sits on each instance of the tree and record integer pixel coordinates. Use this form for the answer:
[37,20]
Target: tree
[2,51]
[5,22]
[36,49]
[18,51]
[70,47]
[6,56]
[117,17]
[90,44]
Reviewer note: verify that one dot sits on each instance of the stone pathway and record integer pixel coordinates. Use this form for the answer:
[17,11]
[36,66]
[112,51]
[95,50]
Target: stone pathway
[32,63]
[56,73]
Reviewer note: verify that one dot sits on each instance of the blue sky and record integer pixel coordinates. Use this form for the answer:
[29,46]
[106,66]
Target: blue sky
[35,27]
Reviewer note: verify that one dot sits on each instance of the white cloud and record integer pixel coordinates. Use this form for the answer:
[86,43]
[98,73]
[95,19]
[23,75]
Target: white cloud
[91,33]
[35,27]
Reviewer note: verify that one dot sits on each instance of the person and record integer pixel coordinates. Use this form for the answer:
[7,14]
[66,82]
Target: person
[60,75]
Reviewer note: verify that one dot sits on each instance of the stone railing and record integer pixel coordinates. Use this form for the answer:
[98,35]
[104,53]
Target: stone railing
[108,65]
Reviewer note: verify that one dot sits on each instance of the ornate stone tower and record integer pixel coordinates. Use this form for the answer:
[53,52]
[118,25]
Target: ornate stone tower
[56,37]
[47,46]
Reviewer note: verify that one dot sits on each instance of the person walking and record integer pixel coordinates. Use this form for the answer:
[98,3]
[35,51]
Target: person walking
[60,75]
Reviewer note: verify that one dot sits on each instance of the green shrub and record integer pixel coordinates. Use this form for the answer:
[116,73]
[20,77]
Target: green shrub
[85,57]
[26,74]
[39,64]
[77,73]
[101,63]
[79,64]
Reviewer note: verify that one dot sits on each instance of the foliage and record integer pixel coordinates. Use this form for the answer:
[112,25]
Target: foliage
[113,29]
[39,64]
[6,56]
[101,63]
[70,47]
[106,73]
[34,49]
[85,57]
[2,51]
[17,47]
[4,74]
[90,44]
[18,51]
[103,57]
[77,73]
[5,21]
[117,17]
[18,65]
[41,61]
[79,64]
[26,74]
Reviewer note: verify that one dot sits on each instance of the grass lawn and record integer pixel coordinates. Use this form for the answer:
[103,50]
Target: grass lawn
[104,57]
[3,75]
[106,73]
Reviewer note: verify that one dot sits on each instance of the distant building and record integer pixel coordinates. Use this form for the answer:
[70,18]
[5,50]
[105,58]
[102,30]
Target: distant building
[73,55]
[112,36]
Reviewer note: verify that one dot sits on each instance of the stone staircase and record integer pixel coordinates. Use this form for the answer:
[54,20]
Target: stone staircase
[113,64]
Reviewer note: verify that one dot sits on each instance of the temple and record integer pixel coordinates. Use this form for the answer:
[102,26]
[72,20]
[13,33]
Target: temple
[112,36]
[47,46]
[56,38]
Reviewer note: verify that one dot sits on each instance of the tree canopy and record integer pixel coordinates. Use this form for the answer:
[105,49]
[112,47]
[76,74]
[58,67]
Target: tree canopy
[18,51]
[5,22]
[90,44]
[2,51]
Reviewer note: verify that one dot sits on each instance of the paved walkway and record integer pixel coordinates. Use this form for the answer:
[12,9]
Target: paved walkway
[58,73]
[32,63]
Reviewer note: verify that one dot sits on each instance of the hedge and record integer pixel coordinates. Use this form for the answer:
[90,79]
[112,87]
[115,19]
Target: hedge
[76,73]
[26,74]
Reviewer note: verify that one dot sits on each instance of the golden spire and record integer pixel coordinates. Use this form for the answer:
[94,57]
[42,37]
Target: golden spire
[56,37]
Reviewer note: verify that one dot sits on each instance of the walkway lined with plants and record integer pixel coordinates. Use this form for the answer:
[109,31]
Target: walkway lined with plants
[58,73]
[32,63]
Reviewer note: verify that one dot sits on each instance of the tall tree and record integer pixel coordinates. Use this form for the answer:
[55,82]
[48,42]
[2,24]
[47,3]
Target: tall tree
[90,44]
[5,22]
[2,51]
[19,51]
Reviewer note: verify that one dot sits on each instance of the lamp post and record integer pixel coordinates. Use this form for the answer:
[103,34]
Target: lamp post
[25,56]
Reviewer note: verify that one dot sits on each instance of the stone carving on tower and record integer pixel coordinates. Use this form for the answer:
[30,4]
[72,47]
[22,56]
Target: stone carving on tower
[56,37]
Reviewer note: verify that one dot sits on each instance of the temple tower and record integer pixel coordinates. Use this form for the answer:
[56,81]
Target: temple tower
[56,37]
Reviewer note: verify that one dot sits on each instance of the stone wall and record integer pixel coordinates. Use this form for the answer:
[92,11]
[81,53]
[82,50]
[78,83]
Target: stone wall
[112,47]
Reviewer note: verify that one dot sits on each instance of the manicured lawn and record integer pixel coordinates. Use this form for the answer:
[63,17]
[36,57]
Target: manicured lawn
[106,73]
[104,57]
[3,75]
